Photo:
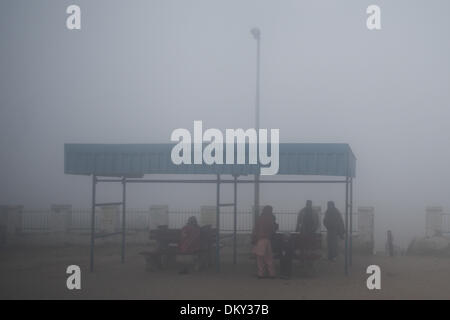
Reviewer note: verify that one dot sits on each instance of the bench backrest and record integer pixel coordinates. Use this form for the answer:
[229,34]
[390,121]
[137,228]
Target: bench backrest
[172,236]
[297,241]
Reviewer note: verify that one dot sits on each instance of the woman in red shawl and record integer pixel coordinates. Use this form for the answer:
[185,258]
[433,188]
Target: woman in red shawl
[265,227]
[190,237]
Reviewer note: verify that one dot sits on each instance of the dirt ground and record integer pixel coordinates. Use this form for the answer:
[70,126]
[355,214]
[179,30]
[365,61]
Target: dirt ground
[39,273]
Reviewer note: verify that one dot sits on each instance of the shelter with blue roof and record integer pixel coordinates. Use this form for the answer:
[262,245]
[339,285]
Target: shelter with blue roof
[130,163]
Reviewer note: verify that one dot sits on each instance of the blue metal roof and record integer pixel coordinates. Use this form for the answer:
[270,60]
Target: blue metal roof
[135,160]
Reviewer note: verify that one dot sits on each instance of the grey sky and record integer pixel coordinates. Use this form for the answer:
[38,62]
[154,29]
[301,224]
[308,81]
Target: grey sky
[139,69]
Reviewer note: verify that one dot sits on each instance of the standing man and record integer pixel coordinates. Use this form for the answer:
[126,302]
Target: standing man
[335,229]
[307,220]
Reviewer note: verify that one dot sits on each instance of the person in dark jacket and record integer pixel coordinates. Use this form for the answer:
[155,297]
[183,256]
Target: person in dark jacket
[307,220]
[335,229]
[307,225]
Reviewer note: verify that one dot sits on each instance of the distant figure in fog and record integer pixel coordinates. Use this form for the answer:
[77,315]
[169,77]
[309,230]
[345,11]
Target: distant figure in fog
[307,220]
[265,228]
[335,229]
[390,244]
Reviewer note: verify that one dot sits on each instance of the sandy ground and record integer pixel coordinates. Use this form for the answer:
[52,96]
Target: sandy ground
[39,273]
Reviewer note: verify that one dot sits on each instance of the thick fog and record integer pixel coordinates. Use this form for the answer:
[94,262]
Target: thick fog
[137,70]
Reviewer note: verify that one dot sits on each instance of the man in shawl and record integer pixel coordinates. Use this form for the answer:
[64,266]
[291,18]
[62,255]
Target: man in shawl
[335,229]
[265,228]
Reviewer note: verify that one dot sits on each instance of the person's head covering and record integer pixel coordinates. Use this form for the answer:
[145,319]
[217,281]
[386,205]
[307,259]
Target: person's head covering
[267,210]
[192,221]
[308,203]
[330,204]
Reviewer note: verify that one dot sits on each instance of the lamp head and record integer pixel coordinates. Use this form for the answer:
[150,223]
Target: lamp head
[256,33]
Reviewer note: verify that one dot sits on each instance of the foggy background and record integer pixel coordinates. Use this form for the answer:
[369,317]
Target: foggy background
[137,70]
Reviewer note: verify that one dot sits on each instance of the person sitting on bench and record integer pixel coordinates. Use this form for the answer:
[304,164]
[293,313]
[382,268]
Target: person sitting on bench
[190,239]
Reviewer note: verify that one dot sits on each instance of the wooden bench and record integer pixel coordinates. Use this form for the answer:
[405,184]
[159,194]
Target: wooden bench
[295,246]
[166,248]
[306,249]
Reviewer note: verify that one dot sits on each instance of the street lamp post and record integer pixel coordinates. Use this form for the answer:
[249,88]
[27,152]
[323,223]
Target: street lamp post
[257,35]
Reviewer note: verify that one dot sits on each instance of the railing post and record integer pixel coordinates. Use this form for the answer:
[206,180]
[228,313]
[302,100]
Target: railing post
[235,222]
[124,181]
[218,224]
[351,223]
[346,226]
[94,183]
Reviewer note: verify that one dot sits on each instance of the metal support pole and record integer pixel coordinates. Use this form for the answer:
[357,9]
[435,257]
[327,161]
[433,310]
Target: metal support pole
[94,182]
[351,223]
[346,226]
[218,224]
[256,204]
[258,50]
[235,222]
[124,195]
[257,35]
